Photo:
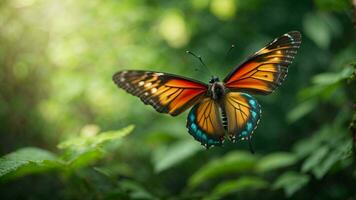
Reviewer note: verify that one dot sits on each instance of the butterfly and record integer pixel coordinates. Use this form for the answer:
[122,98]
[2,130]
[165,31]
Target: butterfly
[220,109]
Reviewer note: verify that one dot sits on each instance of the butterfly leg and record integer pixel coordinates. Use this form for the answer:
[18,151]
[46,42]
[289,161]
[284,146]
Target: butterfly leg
[250,145]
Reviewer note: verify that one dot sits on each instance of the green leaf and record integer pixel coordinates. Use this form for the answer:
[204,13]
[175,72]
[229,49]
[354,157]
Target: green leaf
[334,156]
[305,147]
[95,141]
[26,161]
[115,169]
[233,162]
[326,78]
[275,161]
[166,157]
[325,84]
[311,145]
[319,91]
[328,162]
[241,184]
[301,110]
[291,182]
[315,159]
[317,29]
[79,159]
[135,190]
[331,78]
[82,151]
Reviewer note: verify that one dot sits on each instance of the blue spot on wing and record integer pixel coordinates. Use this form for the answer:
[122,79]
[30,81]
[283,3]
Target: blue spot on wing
[194,127]
[249,126]
[191,117]
[252,102]
[253,118]
[254,114]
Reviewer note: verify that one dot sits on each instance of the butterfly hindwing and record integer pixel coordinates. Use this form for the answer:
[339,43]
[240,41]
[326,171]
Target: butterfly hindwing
[243,114]
[265,70]
[167,93]
[204,123]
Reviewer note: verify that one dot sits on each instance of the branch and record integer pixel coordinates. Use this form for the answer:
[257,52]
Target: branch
[353,4]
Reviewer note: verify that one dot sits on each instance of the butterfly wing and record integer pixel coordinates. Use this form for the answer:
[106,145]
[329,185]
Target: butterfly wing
[167,93]
[243,114]
[204,123]
[265,70]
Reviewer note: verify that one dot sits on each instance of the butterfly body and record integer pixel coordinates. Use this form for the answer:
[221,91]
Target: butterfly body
[217,90]
[220,109]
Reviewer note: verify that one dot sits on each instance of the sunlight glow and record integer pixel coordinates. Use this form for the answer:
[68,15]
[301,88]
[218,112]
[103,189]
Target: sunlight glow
[223,9]
[173,29]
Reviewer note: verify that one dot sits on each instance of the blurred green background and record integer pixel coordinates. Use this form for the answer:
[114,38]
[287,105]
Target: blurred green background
[67,130]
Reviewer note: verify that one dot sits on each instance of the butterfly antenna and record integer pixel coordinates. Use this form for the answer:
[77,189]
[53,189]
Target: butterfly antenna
[200,59]
[250,146]
[229,51]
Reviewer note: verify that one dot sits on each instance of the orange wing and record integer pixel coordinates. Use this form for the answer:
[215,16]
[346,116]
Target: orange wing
[204,123]
[265,70]
[243,114]
[167,93]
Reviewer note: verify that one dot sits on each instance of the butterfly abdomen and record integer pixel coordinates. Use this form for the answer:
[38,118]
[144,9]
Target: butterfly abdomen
[224,119]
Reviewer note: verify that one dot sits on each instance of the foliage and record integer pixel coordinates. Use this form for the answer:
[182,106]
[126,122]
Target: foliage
[27,160]
[56,63]
[291,182]
[80,152]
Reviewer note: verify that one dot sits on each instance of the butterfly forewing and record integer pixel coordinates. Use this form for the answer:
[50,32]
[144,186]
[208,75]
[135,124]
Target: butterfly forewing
[265,70]
[167,93]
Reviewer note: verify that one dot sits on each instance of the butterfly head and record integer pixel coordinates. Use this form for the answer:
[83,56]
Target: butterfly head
[214,79]
[217,89]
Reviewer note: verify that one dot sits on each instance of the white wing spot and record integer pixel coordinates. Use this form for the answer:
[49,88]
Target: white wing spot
[122,79]
[148,84]
[146,93]
[153,90]
[141,83]
[159,74]
[290,37]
